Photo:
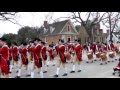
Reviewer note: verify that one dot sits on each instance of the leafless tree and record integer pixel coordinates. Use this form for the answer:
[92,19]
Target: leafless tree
[111,22]
[9,16]
[91,19]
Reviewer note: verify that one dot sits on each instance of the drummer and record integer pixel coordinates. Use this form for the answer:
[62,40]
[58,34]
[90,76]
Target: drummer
[112,49]
[78,56]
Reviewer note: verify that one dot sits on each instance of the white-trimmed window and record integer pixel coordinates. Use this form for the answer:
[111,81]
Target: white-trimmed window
[68,28]
[45,30]
[52,29]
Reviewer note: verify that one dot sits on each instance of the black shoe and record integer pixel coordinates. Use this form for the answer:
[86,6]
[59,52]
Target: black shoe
[10,72]
[72,72]
[79,71]
[113,73]
[108,61]
[45,72]
[53,65]
[105,62]
[95,60]
[87,62]
[17,77]
[16,71]
[91,61]
[55,75]
[65,74]
[112,61]
[101,63]
[28,75]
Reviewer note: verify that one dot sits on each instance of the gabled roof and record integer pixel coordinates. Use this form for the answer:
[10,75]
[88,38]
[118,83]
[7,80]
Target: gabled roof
[57,26]
[78,28]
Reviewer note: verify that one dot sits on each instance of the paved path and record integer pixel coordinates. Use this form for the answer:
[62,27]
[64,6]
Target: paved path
[89,70]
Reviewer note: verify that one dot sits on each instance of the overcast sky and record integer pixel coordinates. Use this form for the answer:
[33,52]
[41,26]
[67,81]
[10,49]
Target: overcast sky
[28,19]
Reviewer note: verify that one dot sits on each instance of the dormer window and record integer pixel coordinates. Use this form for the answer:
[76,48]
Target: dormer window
[52,29]
[45,30]
[68,28]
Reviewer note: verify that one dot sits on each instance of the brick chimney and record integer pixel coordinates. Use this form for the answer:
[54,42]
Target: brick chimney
[45,24]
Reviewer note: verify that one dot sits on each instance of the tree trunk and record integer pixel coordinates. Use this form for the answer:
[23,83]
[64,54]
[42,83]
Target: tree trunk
[111,36]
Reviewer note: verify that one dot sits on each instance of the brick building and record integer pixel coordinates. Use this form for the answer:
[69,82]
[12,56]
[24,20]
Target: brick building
[97,34]
[58,30]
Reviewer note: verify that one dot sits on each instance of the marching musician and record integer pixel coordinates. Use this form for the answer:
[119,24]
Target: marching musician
[77,56]
[51,56]
[4,58]
[24,59]
[62,58]
[104,53]
[14,55]
[37,56]
[99,47]
[112,47]
[44,55]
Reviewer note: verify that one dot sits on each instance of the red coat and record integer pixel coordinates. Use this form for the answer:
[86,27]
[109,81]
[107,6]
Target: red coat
[112,47]
[43,51]
[57,48]
[4,57]
[61,51]
[37,55]
[38,50]
[94,47]
[105,48]
[50,53]
[15,53]
[91,47]
[99,46]
[23,52]
[32,50]
[78,51]
[29,49]
[69,47]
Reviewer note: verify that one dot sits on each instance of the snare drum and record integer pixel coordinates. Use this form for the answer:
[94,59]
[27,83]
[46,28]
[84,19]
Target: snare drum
[68,56]
[103,57]
[98,54]
[89,55]
[111,54]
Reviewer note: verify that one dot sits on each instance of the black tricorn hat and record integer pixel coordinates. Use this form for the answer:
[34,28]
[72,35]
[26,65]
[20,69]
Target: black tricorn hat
[76,40]
[43,43]
[24,43]
[31,41]
[37,39]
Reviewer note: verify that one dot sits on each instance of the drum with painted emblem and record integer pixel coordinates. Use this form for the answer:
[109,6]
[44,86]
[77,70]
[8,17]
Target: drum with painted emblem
[111,54]
[89,55]
[103,56]
[68,55]
[98,54]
